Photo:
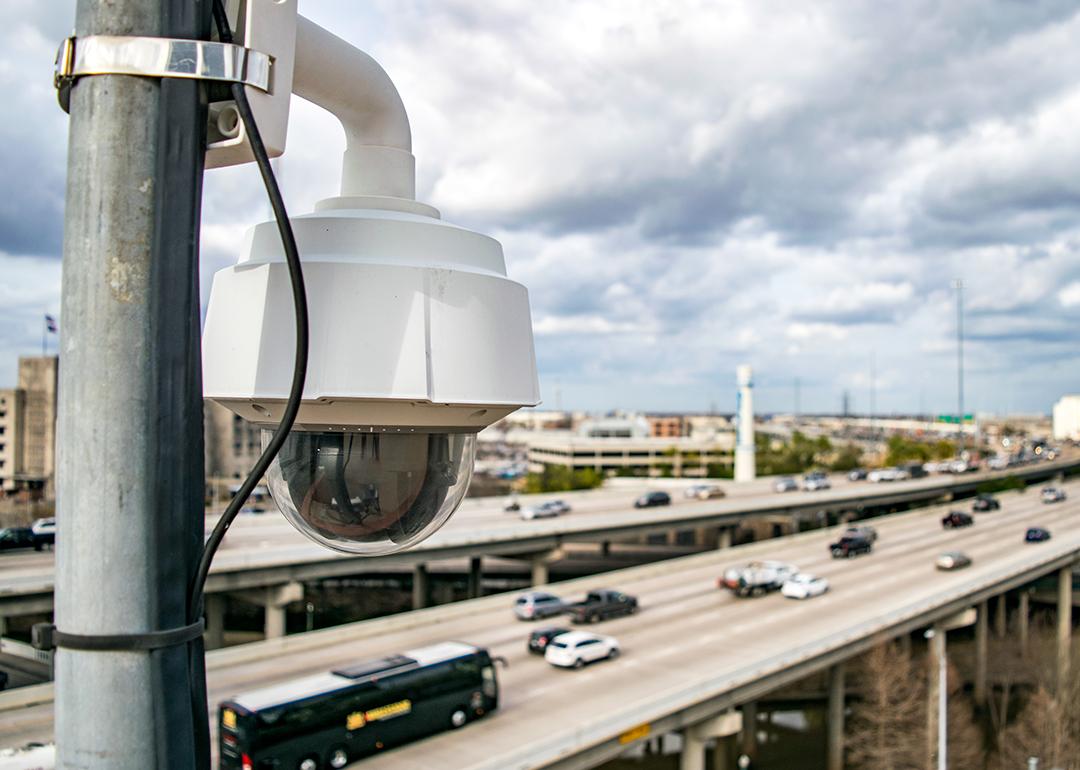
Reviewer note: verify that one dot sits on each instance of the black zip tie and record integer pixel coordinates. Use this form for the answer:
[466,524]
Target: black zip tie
[45,636]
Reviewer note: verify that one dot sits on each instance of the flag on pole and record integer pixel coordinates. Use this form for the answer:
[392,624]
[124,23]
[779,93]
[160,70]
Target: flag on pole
[50,324]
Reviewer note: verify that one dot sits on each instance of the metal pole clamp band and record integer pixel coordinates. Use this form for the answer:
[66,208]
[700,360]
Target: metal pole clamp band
[45,636]
[158,57]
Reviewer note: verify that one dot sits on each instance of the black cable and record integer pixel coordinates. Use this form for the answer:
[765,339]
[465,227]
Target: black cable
[296,276]
[197,667]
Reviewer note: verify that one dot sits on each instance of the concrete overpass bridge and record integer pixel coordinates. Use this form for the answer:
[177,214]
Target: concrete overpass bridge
[695,659]
[265,562]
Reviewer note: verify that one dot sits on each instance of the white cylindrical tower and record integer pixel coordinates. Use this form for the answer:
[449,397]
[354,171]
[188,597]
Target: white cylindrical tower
[744,415]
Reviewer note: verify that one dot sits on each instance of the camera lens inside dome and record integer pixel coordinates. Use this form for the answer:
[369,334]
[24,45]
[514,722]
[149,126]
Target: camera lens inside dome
[370,493]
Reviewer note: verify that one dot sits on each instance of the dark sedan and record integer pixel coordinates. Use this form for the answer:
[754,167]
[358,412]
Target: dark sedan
[1036,535]
[985,503]
[957,519]
[653,499]
[541,638]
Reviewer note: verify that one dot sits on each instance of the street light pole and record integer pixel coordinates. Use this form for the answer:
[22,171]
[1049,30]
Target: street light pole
[959,286]
[130,421]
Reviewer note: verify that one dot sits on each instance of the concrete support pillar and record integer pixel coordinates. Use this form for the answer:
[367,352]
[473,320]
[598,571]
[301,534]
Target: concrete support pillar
[1064,626]
[936,653]
[722,729]
[1001,617]
[215,621]
[274,621]
[476,576]
[725,537]
[273,600]
[835,742]
[421,592]
[724,753]
[982,625]
[748,735]
[707,537]
[539,571]
[692,756]
[1022,619]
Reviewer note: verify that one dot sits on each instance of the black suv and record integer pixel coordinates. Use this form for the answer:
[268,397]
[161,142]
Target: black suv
[957,519]
[1037,535]
[985,503]
[850,546]
[540,638]
[653,499]
[16,537]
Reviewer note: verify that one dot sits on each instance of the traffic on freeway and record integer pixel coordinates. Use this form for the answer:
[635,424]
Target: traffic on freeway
[686,636]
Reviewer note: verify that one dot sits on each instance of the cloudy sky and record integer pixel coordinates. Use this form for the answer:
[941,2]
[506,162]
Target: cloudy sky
[686,186]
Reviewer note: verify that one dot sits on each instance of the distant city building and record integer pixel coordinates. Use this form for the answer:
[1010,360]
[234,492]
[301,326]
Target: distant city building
[1067,418]
[533,419]
[12,408]
[708,426]
[28,429]
[232,445]
[639,455]
[630,426]
[668,426]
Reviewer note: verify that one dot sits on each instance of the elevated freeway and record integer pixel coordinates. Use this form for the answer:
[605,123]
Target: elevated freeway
[690,655]
[266,558]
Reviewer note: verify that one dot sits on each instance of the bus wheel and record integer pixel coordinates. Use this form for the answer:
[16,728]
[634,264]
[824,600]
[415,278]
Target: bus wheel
[338,758]
[458,717]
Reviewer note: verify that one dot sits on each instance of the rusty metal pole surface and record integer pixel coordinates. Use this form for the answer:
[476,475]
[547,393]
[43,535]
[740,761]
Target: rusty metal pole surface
[129,427]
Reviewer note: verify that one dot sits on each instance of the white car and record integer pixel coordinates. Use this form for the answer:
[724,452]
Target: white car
[812,482]
[547,510]
[576,648]
[887,474]
[1053,495]
[704,491]
[804,585]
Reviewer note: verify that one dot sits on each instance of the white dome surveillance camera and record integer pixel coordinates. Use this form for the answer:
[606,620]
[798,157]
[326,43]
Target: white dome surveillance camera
[418,339]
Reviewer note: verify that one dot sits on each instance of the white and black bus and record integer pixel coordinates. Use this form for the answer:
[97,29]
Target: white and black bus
[328,720]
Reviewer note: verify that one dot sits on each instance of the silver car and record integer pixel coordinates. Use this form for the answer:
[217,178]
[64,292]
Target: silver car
[786,484]
[537,604]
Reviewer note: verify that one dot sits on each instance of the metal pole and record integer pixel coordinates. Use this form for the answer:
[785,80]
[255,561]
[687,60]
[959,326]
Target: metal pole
[873,386]
[943,707]
[960,363]
[835,726]
[129,427]
[1064,626]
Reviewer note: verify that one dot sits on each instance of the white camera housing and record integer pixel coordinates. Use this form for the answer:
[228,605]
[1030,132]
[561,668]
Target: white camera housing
[418,339]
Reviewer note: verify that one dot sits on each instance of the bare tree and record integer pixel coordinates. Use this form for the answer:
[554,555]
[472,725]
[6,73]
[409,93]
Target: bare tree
[1029,718]
[1045,730]
[888,724]
[966,743]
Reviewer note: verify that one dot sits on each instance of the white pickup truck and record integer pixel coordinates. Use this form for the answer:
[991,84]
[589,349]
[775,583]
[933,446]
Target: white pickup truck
[757,577]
